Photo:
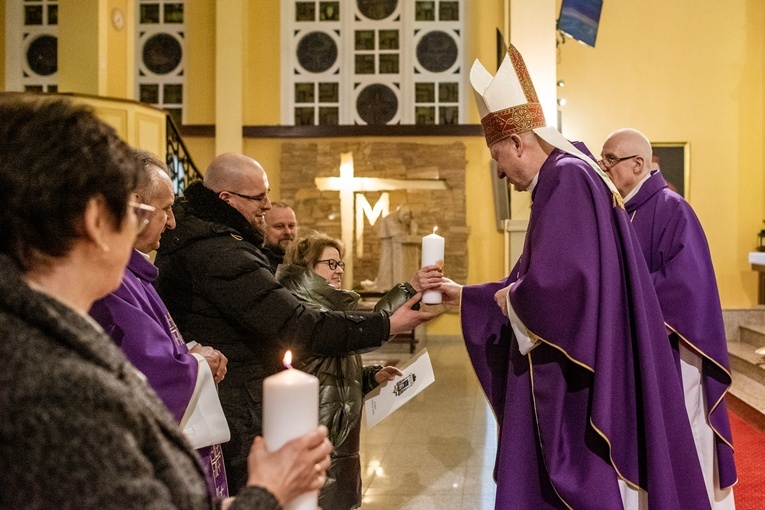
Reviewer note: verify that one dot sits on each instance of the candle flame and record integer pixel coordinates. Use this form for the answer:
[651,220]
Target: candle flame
[434,229]
[287,359]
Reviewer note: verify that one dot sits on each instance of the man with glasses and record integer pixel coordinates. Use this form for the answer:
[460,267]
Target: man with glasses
[220,289]
[675,248]
[136,319]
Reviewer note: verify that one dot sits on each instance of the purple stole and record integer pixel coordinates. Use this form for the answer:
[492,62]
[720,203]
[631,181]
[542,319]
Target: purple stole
[590,403]
[137,320]
[676,251]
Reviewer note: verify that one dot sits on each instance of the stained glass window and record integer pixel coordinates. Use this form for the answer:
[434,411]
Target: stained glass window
[373,62]
[160,41]
[32,45]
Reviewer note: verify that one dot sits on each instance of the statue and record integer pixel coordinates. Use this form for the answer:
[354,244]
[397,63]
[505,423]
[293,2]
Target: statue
[398,238]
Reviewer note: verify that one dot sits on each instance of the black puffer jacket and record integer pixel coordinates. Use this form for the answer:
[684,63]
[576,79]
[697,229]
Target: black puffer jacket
[343,383]
[220,290]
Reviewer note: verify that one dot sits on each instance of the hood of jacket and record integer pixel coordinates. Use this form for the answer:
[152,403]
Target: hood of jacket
[314,290]
[200,214]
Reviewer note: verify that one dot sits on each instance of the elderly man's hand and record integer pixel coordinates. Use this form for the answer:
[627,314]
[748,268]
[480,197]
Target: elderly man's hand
[428,277]
[215,359]
[501,299]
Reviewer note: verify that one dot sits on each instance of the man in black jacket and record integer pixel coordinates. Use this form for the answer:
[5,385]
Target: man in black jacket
[219,288]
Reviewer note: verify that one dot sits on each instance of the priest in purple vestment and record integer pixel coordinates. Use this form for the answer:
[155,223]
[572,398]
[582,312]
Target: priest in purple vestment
[573,355]
[675,248]
[137,320]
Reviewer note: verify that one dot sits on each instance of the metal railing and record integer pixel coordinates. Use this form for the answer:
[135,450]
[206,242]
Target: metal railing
[179,163]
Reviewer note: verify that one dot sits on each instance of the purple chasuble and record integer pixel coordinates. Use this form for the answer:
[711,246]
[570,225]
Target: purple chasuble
[137,320]
[589,403]
[676,251]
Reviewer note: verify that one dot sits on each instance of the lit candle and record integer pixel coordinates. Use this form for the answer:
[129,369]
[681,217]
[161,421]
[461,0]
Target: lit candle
[290,409]
[432,253]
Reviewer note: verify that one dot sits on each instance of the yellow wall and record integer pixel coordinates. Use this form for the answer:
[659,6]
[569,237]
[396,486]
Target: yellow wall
[81,46]
[2,46]
[199,95]
[120,48]
[689,71]
[262,62]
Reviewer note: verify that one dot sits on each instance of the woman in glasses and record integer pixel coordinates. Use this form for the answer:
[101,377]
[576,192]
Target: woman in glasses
[79,427]
[313,271]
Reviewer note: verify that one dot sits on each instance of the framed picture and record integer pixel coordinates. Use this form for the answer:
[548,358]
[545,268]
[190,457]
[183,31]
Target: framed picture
[673,159]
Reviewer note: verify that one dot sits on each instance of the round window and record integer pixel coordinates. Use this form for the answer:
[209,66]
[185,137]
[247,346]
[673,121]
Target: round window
[162,53]
[437,51]
[377,104]
[317,52]
[42,55]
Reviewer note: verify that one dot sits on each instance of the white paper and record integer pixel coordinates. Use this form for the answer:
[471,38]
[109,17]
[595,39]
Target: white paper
[389,396]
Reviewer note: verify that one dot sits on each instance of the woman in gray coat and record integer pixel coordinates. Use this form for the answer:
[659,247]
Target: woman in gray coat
[79,426]
[313,271]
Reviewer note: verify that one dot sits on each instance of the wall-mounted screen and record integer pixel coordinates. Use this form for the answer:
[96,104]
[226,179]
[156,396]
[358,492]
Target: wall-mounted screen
[579,19]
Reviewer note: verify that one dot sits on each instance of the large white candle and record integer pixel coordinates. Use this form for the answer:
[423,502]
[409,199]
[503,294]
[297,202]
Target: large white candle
[432,253]
[290,409]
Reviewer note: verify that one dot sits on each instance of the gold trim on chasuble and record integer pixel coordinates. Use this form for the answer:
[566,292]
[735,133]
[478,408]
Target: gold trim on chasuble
[705,356]
[602,434]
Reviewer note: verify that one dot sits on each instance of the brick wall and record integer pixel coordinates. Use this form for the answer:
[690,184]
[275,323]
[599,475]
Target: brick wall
[320,210]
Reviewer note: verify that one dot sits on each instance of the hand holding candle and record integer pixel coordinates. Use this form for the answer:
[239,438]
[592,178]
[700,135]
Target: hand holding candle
[290,409]
[432,253]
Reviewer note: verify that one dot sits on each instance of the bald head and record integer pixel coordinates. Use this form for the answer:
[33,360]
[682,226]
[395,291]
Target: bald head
[241,182]
[626,158]
[230,171]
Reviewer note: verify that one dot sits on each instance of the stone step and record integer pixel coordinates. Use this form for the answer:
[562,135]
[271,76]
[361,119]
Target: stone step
[747,399]
[753,334]
[745,360]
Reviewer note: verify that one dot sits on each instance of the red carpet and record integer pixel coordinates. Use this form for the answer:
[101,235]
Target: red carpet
[749,444]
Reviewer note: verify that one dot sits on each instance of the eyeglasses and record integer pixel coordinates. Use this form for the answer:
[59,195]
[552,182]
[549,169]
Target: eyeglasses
[258,198]
[610,161]
[142,213]
[332,263]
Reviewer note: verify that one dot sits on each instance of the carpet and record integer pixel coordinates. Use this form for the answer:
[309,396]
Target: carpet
[749,444]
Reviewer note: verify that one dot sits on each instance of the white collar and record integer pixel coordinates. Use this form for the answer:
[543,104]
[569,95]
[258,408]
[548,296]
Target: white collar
[533,184]
[635,190]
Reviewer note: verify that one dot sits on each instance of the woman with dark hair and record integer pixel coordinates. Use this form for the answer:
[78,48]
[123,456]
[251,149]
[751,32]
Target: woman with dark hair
[79,428]
[313,272]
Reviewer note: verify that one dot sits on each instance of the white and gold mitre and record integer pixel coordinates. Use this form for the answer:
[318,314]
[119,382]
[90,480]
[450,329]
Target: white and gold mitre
[507,102]
[508,105]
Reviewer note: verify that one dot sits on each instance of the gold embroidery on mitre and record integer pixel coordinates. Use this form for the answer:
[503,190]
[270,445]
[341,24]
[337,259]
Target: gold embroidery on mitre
[523,74]
[514,120]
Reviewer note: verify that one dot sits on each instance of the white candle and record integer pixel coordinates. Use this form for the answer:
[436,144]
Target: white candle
[432,253]
[290,409]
